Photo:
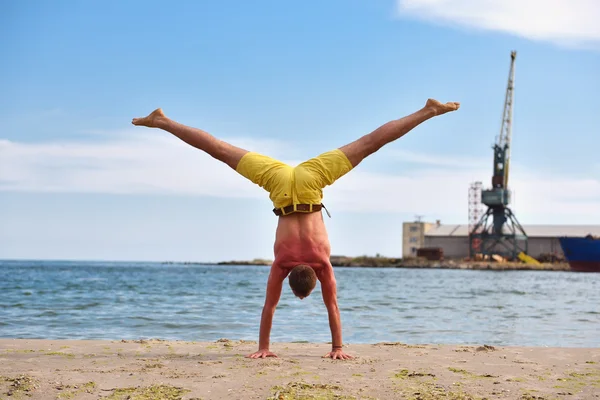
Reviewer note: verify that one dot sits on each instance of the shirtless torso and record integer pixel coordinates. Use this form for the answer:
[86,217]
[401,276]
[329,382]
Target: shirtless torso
[301,239]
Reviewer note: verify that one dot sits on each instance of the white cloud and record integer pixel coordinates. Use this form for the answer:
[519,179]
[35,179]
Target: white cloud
[445,192]
[570,22]
[128,162]
[437,160]
[152,163]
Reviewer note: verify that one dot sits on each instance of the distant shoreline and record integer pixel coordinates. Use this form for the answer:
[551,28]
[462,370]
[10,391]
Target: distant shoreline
[385,262]
[357,262]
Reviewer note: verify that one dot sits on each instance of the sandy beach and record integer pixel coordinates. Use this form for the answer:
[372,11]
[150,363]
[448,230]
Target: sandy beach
[156,369]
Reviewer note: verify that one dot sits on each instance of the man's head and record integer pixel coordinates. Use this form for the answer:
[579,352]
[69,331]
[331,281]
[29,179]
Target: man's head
[302,280]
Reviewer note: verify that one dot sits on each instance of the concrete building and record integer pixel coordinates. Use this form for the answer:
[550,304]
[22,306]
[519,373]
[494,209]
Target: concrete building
[413,236]
[454,239]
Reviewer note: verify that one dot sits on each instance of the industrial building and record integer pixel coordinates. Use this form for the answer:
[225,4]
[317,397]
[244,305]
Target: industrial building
[454,239]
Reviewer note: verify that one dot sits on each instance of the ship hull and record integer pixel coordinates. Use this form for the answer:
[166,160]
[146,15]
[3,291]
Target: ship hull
[585,266]
[582,253]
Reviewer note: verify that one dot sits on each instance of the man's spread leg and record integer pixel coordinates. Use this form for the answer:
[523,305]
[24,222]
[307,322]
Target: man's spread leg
[313,175]
[198,138]
[369,144]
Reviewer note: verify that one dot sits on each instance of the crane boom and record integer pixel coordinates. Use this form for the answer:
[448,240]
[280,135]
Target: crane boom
[506,127]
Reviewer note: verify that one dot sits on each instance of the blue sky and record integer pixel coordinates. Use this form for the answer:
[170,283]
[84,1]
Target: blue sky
[290,79]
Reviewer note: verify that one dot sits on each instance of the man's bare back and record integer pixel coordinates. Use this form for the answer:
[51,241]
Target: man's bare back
[301,239]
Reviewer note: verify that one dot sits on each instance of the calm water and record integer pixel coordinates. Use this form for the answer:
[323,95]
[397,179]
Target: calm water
[101,300]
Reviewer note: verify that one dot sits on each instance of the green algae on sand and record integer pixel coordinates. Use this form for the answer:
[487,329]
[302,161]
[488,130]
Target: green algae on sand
[423,386]
[68,391]
[404,373]
[19,351]
[577,381]
[469,374]
[305,391]
[19,386]
[432,391]
[60,353]
[154,392]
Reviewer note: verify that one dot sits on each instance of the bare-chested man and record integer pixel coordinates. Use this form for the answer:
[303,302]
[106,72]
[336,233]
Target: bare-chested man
[301,248]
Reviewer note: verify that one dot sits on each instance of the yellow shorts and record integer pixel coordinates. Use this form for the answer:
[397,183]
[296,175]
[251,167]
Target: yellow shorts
[289,185]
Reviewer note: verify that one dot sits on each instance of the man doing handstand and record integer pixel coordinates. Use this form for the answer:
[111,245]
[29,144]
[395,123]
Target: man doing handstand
[301,248]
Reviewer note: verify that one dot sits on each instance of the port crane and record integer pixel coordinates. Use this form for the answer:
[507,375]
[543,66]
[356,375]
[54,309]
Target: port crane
[498,231]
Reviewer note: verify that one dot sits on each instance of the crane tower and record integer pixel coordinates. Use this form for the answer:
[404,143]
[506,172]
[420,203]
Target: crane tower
[498,231]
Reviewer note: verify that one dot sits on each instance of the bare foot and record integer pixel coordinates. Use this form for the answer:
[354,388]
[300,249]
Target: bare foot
[151,120]
[440,108]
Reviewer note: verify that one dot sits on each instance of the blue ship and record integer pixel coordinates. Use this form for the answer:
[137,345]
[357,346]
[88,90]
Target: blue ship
[582,253]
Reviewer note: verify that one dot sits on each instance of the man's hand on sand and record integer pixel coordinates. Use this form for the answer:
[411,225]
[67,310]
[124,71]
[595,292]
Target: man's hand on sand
[262,354]
[338,354]
[439,108]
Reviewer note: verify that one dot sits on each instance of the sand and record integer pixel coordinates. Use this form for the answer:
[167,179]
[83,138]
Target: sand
[155,369]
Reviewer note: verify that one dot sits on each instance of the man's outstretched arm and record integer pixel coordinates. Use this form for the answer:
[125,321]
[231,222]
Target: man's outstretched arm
[222,151]
[274,286]
[329,292]
[393,130]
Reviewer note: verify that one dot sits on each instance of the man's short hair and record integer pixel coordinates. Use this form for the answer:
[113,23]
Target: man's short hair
[303,280]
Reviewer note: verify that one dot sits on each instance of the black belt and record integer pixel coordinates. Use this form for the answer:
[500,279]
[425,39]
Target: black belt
[299,208]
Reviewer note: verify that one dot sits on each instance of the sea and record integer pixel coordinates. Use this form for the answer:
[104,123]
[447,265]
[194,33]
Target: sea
[192,302]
